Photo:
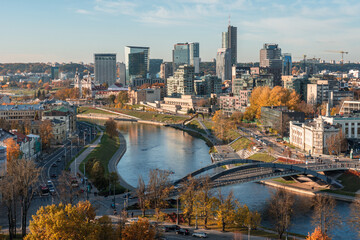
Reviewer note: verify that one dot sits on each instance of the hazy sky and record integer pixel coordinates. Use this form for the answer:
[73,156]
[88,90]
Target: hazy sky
[72,30]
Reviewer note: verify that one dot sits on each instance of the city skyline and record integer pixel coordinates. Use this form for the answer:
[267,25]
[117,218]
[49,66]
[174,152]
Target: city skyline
[73,31]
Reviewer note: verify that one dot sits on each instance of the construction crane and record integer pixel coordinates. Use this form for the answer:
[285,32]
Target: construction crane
[342,55]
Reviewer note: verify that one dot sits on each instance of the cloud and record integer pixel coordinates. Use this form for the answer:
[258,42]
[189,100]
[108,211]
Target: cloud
[83,11]
[115,7]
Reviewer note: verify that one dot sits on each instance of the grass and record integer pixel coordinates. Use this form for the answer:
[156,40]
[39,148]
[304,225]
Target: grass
[341,192]
[103,152]
[196,126]
[264,157]
[281,180]
[350,182]
[241,143]
[87,110]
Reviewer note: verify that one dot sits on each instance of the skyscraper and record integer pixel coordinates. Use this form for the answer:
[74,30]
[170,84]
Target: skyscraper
[223,64]
[182,82]
[121,73]
[105,68]
[187,53]
[229,40]
[137,62]
[270,57]
[54,72]
[166,70]
[287,64]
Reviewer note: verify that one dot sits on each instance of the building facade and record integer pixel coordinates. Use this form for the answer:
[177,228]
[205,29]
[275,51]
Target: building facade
[223,64]
[229,40]
[166,70]
[21,113]
[232,103]
[182,82]
[286,64]
[312,136]
[270,57]
[187,53]
[121,73]
[105,68]
[137,61]
[136,96]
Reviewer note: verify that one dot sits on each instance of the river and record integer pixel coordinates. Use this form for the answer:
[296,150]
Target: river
[150,147]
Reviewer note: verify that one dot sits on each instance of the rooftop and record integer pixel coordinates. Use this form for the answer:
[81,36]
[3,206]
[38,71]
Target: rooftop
[21,107]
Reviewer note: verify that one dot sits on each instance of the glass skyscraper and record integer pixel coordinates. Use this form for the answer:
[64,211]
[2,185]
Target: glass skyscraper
[229,40]
[137,62]
[105,68]
[187,53]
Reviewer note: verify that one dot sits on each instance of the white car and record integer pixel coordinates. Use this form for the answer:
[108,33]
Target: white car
[200,235]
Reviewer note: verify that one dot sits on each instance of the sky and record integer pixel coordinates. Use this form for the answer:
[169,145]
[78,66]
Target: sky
[73,30]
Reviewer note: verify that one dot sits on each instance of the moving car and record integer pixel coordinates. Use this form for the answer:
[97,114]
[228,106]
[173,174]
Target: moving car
[200,235]
[44,190]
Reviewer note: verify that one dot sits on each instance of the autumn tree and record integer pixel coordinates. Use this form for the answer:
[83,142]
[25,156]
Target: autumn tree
[251,219]
[264,96]
[281,210]
[110,128]
[12,151]
[121,99]
[354,218]
[205,201]
[222,126]
[142,196]
[306,108]
[225,209]
[324,215]
[336,143]
[67,193]
[317,235]
[46,133]
[187,197]
[140,230]
[45,224]
[159,189]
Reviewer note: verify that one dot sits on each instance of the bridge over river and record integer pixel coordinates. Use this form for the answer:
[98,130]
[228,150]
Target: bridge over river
[247,170]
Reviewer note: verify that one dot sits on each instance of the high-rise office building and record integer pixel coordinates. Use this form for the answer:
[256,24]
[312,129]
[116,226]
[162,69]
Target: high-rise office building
[270,57]
[121,73]
[166,70]
[223,64]
[286,64]
[182,81]
[229,40]
[154,67]
[187,53]
[137,62]
[105,68]
[54,73]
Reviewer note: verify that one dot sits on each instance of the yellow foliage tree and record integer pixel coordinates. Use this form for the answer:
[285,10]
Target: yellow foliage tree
[264,96]
[317,235]
[12,150]
[46,133]
[141,230]
[66,222]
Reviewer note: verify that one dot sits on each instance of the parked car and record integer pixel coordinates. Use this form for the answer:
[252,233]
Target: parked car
[173,227]
[163,228]
[53,175]
[182,231]
[200,235]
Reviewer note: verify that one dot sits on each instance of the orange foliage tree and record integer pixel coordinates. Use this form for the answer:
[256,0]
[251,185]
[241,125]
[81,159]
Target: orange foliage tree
[264,96]
[317,235]
[12,149]
[141,230]
[46,133]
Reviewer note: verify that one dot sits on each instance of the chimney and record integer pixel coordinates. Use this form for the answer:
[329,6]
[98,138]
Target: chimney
[327,110]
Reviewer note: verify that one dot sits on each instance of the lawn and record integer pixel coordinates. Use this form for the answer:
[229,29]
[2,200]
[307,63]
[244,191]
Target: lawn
[196,126]
[103,152]
[264,157]
[87,110]
[241,143]
[281,180]
[350,182]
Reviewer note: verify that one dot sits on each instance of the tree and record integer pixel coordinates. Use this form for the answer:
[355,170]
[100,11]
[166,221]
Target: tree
[46,133]
[12,151]
[121,99]
[324,215]
[159,189]
[252,220]
[225,211]
[188,197]
[141,230]
[110,128]
[354,218]
[59,221]
[67,192]
[112,98]
[205,200]
[281,210]
[142,196]
[336,143]
[317,235]
[222,126]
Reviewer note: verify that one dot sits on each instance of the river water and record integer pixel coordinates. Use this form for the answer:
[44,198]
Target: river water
[150,147]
